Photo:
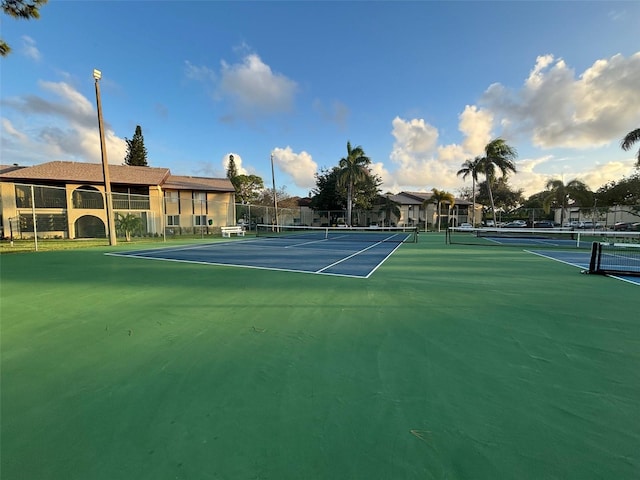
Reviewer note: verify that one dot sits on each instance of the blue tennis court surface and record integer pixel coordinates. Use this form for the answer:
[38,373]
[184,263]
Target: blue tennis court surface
[580,259]
[355,259]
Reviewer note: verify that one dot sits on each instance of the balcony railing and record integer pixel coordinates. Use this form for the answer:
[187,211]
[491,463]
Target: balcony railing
[130,202]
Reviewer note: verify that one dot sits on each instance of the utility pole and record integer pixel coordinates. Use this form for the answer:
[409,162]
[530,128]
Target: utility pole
[275,200]
[97,75]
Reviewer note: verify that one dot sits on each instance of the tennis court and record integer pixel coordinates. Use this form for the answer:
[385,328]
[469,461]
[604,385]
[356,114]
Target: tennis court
[581,259]
[539,237]
[355,253]
[451,361]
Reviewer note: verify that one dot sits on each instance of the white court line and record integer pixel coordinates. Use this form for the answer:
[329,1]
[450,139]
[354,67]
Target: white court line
[384,260]
[350,256]
[583,267]
[557,259]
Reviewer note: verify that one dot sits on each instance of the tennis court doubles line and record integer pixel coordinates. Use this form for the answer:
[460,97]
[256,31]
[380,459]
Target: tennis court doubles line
[579,259]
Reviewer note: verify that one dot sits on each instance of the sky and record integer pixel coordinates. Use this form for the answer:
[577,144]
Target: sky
[421,86]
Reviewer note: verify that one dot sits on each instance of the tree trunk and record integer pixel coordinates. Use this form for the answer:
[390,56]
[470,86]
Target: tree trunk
[493,207]
[473,201]
[349,202]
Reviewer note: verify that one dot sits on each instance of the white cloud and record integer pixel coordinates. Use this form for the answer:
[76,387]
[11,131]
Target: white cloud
[417,162]
[253,89]
[585,115]
[199,73]
[300,166]
[30,49]
[475,124]
[64,128]
[10,130]
[556,108]
[237,159]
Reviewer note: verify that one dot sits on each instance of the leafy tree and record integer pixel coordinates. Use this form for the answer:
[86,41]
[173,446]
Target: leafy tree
[498,155]
[534,201]
[625,192]
[503,196]
[390,208]
[366,193]
[560,195]
[136,151]
[20,9]
[352,171]
[465,193]
[248,187]
[632,137]
[328,195]
[266,197]
[621,192]
[128,224]
[532,208]
[439,197]
[471,168]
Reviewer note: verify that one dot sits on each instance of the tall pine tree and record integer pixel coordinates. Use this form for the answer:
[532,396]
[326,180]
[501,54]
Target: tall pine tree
[232,173]
[136,151]
[232,170]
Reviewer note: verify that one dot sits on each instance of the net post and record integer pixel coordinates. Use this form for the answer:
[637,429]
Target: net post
[595,254]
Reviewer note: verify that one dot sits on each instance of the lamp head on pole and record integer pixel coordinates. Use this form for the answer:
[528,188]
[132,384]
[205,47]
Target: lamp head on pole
[97,74]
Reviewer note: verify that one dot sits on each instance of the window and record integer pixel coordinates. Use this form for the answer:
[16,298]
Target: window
[171,196]
[173,220]
[199,220]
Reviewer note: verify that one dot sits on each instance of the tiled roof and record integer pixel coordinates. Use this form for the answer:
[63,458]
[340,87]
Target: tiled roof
[9,168]
[89,173]
[404,199]
[420,197]
[198,183]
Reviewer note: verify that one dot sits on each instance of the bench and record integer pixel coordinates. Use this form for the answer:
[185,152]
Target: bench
[227,231]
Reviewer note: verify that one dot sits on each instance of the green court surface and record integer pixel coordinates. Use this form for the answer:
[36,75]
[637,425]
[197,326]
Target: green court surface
[450,362]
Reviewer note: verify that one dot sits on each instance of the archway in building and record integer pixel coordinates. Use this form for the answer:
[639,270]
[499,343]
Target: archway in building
[90,226]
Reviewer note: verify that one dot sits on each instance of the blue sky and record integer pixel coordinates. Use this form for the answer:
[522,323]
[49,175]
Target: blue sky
[421,86]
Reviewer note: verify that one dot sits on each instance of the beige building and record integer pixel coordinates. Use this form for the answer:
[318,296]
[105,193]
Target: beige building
[67,200]
[417,208]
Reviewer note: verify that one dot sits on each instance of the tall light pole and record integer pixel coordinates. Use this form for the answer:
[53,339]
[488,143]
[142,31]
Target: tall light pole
[275,200]
[97,75]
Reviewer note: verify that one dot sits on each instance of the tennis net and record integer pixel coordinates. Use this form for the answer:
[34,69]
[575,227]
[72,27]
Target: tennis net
[615,259]
[363,234]
[538,237]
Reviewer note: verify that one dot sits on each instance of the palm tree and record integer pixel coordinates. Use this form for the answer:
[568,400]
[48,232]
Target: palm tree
[128,224]
[560,195]
[497,156]
[439,197]
[632,137]
[352,170]
[471,167]
[390,208]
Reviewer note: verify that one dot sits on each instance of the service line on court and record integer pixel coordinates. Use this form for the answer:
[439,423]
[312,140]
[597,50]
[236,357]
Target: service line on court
[350,256]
